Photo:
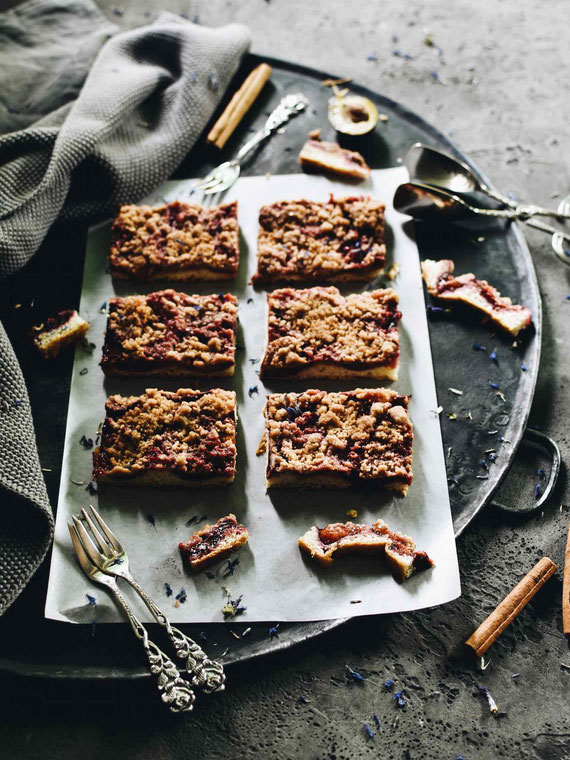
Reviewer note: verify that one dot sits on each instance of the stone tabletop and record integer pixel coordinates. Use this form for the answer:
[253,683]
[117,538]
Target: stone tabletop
[495,78]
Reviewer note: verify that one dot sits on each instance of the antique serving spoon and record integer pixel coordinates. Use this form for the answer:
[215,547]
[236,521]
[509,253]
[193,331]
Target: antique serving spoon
[426,202]
[434,167]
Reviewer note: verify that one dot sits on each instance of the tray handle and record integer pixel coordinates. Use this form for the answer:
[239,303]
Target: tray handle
[549,445]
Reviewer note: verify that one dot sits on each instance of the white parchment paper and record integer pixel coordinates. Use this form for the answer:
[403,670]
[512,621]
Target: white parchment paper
[278,583]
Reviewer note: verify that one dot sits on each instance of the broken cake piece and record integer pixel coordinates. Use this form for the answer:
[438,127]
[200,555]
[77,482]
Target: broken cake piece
[175,241]
[352,538]
[317,439]
[329,157]
[171,333]
[165,438]
[466,288]
[213,542]
[317,332]
[65,328]
[308,241]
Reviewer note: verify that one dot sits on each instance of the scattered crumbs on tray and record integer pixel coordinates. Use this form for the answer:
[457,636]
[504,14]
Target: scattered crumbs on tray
[231,566]
[87,443]
[90,487]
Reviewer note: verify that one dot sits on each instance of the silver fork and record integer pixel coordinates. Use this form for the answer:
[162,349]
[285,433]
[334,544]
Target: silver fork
[224,175]
[174,690]
[110,558]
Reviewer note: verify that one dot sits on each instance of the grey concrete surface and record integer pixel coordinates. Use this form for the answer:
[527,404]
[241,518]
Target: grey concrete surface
[502,95]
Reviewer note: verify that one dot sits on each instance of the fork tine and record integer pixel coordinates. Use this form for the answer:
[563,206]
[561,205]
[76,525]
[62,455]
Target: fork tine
[82,558]
[103,545]
[109,535]
[217,188]
[88,545]
[214,182]
[204,182]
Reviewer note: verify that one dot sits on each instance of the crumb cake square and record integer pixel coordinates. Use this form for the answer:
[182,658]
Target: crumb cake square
[171,333]
[175,241]
[318,439]
[213,542]
[65,328]
[309,241]
[317,332]
[164,438]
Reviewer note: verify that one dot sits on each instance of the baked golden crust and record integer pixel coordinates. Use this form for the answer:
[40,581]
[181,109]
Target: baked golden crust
[309,241]
[319,439]
[171,333]
[162,438]
[213,542]
[353,538]
[440,282]
[317,332]
[65,328]
[332,159]
[175,241]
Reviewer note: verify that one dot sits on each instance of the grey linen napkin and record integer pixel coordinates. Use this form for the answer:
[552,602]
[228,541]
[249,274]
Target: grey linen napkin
[146,99]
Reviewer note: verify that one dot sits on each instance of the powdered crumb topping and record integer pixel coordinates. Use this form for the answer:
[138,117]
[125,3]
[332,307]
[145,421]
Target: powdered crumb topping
[307,240]
[168,328]
[190,433]
[173,238]
[361,434]
[320,325]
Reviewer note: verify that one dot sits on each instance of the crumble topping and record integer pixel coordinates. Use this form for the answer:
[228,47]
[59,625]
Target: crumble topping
[175,241]
[353,538]
[317,325]
[213,542]
[65,328]
[188,433]
[360,435]
[466,288]
[188,334]
[330,157]
[341,239]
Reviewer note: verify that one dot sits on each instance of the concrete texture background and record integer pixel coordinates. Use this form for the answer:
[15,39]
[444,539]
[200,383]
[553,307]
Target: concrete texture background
[502,96]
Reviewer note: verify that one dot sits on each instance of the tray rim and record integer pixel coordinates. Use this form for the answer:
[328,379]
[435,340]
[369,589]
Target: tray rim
[15,668]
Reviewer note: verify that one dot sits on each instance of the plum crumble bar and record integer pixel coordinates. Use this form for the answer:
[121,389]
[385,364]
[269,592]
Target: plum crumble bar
[164,438]
[329,157]
[466,288]
[175,241]
[318,439]
[65,328]
[170,333]
[352,538]
[213,542]
[317,332]
[309,241]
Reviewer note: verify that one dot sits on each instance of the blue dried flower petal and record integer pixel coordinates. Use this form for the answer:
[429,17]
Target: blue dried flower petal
[483,464]
[492,456]
[541,474]
[168,589]
[273,632]
[303,699]
[252,390]
[493,357]
[478,347]
[389,683]
[355,674]
[372,57]
[399,698]
[91,599]
[524,368]
[377,721]
[537,491]
[496,386]
[181,596]
[203,636]
[368,730]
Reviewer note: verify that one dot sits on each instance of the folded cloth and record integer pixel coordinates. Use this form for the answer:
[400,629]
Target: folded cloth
[148,96]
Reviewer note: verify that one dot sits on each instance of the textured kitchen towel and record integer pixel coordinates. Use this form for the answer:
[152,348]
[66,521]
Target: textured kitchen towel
[145,101]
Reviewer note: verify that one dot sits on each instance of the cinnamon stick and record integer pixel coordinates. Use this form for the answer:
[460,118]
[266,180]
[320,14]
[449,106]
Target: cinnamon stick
[503,615]
[566,589]
[239,105]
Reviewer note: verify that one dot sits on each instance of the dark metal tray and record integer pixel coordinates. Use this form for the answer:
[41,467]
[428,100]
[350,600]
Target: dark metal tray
[498,253]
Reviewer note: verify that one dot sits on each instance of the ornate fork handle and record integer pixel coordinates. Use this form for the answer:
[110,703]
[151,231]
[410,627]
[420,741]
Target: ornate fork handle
[205,673]
[288,107]
[525,210]
[174,690]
